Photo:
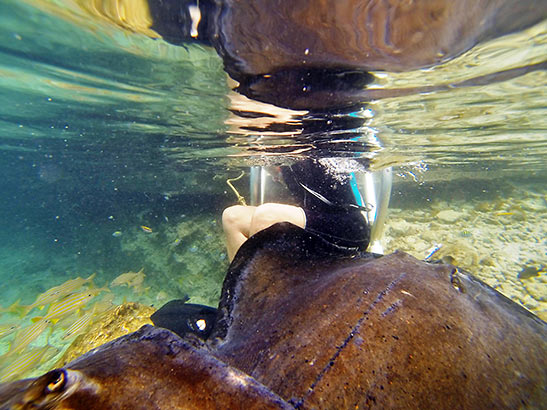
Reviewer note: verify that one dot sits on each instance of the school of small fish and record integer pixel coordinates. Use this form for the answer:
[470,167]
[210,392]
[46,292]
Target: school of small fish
[131,280]
[71,307]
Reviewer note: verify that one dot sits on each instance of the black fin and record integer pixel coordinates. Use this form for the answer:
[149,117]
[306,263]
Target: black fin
[182,318]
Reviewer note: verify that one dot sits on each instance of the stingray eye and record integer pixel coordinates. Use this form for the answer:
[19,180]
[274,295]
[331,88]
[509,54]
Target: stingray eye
[57,381]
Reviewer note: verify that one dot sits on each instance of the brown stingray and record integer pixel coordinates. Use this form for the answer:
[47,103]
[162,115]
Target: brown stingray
[301,324]
[264,36]
[306,55]
[315,54]
[151,368]
[392,332]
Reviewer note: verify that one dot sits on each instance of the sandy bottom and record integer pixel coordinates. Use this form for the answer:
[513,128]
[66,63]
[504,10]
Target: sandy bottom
[502,242]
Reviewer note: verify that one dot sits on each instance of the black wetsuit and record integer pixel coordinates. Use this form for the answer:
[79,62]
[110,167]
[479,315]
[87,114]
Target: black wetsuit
[329,202]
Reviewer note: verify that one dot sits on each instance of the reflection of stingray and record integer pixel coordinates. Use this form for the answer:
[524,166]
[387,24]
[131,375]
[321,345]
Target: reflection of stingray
[318,55]
[302,325]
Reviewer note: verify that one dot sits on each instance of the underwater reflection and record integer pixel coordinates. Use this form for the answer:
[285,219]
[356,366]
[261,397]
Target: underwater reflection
[320,54]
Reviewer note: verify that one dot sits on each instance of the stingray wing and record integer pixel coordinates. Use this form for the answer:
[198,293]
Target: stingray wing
[148,369]
[342,331]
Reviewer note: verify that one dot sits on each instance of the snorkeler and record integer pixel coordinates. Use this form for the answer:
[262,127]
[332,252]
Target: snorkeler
[326,203]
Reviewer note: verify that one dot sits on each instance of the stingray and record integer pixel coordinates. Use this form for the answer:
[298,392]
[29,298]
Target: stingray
[319,55]
[303,324]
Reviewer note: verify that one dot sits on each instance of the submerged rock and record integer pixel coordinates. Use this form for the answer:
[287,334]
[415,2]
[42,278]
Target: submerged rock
[449,215]
[116,322]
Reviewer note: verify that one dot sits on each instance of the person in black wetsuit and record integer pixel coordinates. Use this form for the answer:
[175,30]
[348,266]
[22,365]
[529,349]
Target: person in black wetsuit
[333,206]
[326,203]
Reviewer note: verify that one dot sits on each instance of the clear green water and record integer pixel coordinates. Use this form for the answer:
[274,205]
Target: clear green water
[103,131]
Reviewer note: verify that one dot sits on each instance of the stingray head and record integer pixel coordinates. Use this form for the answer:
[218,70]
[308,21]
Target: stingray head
[149,369]
[49,391]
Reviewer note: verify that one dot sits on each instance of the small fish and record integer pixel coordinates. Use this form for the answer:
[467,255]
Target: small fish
[130,279]
[80,325]
[59,292]
[67,321]
[25,362]
[183,318]
[69,304]
[466,233]
[7,329]
[117,234]
[106,302]
[15,308]
[146,229]
[27,335]
[529,272]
